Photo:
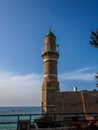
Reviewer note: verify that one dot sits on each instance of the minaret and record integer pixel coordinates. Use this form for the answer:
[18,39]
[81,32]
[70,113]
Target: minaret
[50,85]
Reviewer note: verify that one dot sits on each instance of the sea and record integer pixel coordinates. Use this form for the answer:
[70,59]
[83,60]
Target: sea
[9,116]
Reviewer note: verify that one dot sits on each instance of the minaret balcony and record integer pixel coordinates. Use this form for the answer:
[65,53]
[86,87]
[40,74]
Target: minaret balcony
[50,54]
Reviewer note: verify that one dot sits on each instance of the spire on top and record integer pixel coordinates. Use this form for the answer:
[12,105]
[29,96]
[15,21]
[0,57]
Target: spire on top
[49,28]
[50,32]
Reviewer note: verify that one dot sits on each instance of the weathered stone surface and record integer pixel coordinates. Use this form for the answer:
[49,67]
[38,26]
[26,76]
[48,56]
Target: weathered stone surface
[62,102]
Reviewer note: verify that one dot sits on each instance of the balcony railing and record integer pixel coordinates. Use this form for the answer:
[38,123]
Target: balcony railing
[68,121]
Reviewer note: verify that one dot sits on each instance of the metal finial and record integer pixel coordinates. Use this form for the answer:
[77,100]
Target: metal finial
[49,28]
[50,32]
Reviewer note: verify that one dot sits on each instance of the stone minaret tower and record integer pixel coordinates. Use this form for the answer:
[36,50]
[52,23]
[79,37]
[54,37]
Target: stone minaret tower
[50,85]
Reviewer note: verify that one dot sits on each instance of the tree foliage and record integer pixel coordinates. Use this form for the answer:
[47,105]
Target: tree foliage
[96,76]
[94,38]
[94,41]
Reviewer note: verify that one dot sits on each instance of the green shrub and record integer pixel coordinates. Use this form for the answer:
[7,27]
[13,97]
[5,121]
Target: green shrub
[44,122]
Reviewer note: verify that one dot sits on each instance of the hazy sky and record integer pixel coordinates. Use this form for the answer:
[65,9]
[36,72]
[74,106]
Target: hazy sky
[23,25]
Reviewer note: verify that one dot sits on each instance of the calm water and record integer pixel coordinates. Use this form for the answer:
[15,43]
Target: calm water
[16,111]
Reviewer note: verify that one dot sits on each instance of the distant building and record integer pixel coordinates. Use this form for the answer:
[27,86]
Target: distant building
[54,101]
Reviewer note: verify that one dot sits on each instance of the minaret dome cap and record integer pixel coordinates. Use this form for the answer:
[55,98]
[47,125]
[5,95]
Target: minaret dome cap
[50,33]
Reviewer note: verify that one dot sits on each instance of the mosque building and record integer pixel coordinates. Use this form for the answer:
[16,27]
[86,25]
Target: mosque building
[54,101]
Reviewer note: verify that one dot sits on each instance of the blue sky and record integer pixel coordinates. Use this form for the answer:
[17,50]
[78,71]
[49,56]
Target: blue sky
[23,25]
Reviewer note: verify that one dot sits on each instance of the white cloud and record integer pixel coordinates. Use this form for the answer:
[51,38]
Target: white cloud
[26,89]
[84,74]
[20,89]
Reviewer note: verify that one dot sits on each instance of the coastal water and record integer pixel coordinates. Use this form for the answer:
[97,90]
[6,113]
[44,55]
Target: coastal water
[14,112]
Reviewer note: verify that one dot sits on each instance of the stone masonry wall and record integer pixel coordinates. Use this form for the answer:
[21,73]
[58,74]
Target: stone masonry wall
[70,102]
[91,101]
